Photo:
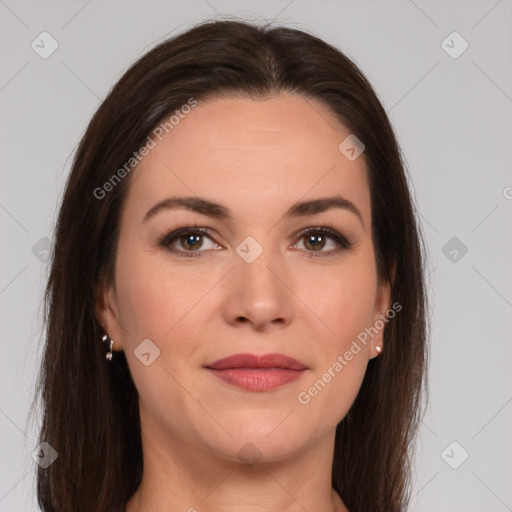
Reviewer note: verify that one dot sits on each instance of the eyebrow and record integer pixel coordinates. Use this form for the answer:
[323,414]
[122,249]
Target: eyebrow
[218,211]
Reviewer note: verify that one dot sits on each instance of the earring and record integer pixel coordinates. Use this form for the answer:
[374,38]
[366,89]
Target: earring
[108,355]
[378,349]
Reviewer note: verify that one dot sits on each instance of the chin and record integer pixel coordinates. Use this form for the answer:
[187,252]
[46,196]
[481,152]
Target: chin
[263,442]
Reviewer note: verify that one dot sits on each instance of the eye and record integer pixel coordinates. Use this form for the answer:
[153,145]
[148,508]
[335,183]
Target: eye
[190,241]
[187,241]
[315,240]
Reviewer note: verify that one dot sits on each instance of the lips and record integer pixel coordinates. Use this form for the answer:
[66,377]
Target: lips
[257,361]
[257,372]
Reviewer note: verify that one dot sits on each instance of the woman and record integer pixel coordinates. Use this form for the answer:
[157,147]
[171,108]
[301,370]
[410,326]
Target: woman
[236,311]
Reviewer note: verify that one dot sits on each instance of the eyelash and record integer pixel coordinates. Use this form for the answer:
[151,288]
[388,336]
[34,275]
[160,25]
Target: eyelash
[167,239]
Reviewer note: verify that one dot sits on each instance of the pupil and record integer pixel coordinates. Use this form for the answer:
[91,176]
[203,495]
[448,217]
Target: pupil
[192,241]
[312,239]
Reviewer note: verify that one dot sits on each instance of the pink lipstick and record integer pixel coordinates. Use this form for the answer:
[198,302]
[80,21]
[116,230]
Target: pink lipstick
[257,372]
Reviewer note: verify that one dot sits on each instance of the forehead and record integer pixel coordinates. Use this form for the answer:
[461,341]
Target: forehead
[265,153]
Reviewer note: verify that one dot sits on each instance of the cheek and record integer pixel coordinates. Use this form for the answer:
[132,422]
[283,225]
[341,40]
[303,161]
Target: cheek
[154,301]
[165,307]
[345,304]
[329,395]
[344,300]
[154,305]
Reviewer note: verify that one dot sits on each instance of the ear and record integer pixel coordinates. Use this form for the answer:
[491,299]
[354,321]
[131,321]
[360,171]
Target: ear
[106,312]
[382,305]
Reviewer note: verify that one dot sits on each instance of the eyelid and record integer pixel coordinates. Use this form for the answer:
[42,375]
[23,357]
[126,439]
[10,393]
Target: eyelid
[341,241]
[167,238]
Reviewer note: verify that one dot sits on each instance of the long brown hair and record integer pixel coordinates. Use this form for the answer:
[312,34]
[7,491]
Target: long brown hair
[90,407]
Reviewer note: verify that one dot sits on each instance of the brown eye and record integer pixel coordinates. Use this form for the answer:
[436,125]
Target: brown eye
[315,242]
[191,241]
[188,241]
[317,239]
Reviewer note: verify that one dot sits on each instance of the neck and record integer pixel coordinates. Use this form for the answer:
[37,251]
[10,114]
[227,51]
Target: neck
[183,477]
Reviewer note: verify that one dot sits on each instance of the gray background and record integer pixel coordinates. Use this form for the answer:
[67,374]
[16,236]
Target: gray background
[452,117]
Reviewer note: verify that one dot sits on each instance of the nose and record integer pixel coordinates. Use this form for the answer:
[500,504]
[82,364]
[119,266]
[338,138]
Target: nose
[258,294]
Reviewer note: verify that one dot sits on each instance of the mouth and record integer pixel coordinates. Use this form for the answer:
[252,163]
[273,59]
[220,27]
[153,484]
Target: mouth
[257,372]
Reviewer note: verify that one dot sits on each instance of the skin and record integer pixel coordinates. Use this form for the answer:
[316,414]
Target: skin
[256,157]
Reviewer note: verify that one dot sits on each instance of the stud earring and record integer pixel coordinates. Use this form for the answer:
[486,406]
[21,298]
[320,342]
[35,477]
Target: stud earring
[108,355]
[378,349]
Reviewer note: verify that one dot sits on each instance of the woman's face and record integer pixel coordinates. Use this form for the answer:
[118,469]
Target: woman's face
[249,276]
